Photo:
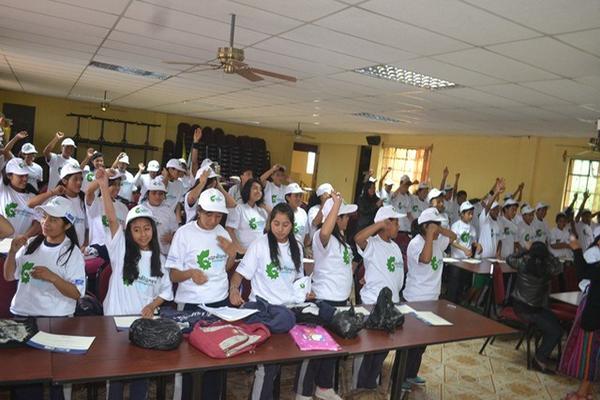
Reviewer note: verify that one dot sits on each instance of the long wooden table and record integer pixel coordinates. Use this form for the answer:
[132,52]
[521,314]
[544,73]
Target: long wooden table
[482,268]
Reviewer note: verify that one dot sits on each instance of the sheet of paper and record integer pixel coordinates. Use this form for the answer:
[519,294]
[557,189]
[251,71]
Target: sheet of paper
[431,318]
[229,314]
[61,343]
[5,245]
[450,260]
[471,261]
[123,323]
[405,309]
[496,260]
[357,310]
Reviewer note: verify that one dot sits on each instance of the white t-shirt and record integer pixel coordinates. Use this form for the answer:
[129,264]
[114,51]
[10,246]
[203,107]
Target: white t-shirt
[236,193]
[466,235]
[248,222]
[451,210]
[13,206]
[144,183]
[55,164]
[542,232]
[332,276]
[191,211]
[526,234]
[98,222]
[424,281]
[490,233]
[300,225]
[88,177]
[78,211]
[274,194]
[558,236]
[165,223]
[36,174]
[418,206]
[127,186]
[404,204]
[385,197]
[36,297]
[384,267]
[312,214]
[275,285]
[510,232]
[585,234]
[130,298]
[187,182]
[175,192]
[194,247]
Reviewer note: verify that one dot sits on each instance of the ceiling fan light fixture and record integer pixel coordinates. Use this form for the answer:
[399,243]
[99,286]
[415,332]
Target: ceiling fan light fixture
[104,106]
[393,73]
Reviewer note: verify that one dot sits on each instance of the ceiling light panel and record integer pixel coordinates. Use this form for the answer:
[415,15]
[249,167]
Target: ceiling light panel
[393,73]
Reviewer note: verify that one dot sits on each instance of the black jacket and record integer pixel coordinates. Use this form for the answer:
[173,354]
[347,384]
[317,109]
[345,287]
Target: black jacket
[590,319]
[533,289]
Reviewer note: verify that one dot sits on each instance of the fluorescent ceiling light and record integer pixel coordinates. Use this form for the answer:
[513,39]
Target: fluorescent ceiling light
[392,73]
[130,70]
[377,117]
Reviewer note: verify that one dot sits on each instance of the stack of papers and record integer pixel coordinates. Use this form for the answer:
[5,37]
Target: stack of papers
[472,261]
[357,310]
[229,314]
[496,260]
[405,309]
[124,323]
[451,260]
[61,343]
[431,318]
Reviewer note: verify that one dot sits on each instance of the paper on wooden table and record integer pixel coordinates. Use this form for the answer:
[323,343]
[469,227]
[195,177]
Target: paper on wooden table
[405,309]
[431,318]
[61,343]
[229,314]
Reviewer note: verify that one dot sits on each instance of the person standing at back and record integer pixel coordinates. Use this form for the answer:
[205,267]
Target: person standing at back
[275,188]
[57,161]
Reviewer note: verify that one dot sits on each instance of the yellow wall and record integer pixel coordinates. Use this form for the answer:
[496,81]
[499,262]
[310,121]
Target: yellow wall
[480,159]
[297,170]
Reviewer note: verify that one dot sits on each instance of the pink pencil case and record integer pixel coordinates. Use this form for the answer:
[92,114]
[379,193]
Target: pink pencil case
[313,338]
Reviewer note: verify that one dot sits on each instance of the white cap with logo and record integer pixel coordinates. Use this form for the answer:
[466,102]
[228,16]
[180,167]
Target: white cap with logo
[211,174]
[175,163]
[69,169]
[139,212]
[124,159]
[510,202]
[293,188]
[344,208]
[541,205]
[68,142]
[157,185]
[430,214]
[212,200]
[16,166]
[434,193]
[405,179]
[527,209]
[28,148]
[324,188]
[58,207]
[466,206]
[153,166]
[387,212]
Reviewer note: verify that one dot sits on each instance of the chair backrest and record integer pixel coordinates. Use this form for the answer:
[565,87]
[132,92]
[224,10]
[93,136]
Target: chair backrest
[570,275]
[7,292]
[103,281]
[498,284]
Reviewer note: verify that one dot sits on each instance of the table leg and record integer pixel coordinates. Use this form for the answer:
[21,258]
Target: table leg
[398,373]
[161,387]
[197,385]
[488,301]
[92,391]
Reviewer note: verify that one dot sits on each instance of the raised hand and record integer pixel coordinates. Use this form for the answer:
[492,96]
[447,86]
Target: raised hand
[90,152]
[21,135]
[60,135]
[141,167]
[102,177]
[446,172]
[197,135]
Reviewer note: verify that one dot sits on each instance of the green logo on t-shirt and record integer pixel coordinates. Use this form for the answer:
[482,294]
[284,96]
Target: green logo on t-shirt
[346,255]
[273,198]
[105,221]
[538,233]
[527,237]
[302,286]
[465,237]
[10,210]
[415,208]
[252,223]
[89,176]
[296,229]
[203,261]
[126,282]
[26,272]
[272,271]
[435,263]
[391,263]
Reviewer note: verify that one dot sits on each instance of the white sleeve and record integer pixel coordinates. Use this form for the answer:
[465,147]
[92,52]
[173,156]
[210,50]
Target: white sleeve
[52,161]
[249,263]
[175,259]
[19,261]
[76,270]
[233,218]
[166,287]
[368,251]
[444,242]
[115,246]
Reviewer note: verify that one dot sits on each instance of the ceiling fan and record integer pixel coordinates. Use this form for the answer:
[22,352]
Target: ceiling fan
[104,105]
[298,134]
[231,61]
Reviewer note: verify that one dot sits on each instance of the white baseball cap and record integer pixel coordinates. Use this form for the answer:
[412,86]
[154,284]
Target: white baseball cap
[16,166]
[372,179]
[211,174]
[494,205]
[157,185]
[114,174]
[124,159]
[510,202]
[344,208]
[527,209]
[183,161]
[207,162]
[405,179]
[466,206]
[69,169]
[388,182]
[293,188]
[387,212]
[139,212]
[58,207]
[448,188]
[68,142]
[175,163]
[324,188]
[28,148]
[153,166]
[213,201]
[541,205]
[431,214]
[235,178]
[434,193]
[423,185]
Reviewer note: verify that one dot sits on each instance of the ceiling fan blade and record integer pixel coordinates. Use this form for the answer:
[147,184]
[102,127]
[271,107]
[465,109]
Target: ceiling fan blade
[211,68]
[180,63]
[248,74]
[273,74]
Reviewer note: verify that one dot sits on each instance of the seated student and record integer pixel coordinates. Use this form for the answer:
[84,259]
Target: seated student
[293,196]
[315,216]
[542,232]
[201,254]
[139,283]
[57,161]
[246,222]
[272,263]
[560,239]
[526,233]
[27,153]
[509,229]
[166,223]
[274,189]
[384,267]
[535,267]
[425,258]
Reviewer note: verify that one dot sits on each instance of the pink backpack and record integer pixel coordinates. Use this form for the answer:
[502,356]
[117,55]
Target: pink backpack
[224,340]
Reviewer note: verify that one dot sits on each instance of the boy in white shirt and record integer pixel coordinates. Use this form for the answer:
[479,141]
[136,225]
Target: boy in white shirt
[143,181]
[436,199]
[509,228]
[559,239]
[583,224]
[449,196]
[419,200]
[57,161]
[526,234]
[274,189]
[541,227]
[127,180]
[384,191]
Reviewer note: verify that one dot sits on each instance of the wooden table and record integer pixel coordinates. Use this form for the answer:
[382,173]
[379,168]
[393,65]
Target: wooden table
[483,268]
[572,298]
[26,364]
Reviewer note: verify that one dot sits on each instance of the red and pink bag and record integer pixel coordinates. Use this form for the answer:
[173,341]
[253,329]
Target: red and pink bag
[224,340]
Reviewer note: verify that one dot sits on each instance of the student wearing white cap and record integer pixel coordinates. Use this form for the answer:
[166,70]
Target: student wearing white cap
[121,163]
[69,187]
[246,222]
[142,181]
[541,227]
[293,196]
[425,257]
[275,188]
[206,178]
[99,229]
[201,254]
[175,189]
[27,153]
[526,233]
[139,283]
[401,199]
[315,217]
[509,228]
[450,204]
[435,197]
[57,161]
[235,190]
[419,200]
[560,238]
[95,160]
[15,194]
[384,191]
[166,224]
[583,224]
[490,231]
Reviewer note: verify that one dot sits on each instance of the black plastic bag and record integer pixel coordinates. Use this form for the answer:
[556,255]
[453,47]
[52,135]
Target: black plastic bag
[347,323]
[317,313]
[186,319]
[385,315]
[157,334]
[15,332]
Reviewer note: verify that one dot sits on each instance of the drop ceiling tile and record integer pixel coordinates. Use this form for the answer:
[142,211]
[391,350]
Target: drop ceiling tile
[567,90]
[447,72]
[373,85]
[42,52]
[306,10]
[452,18]
[585,40]
[486,62]
[107,6]
[50,32]
[46,41]
[590,81]
[312,68]
[574,111]
[521,94]
[548,16]
[387,31]
[551,55]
